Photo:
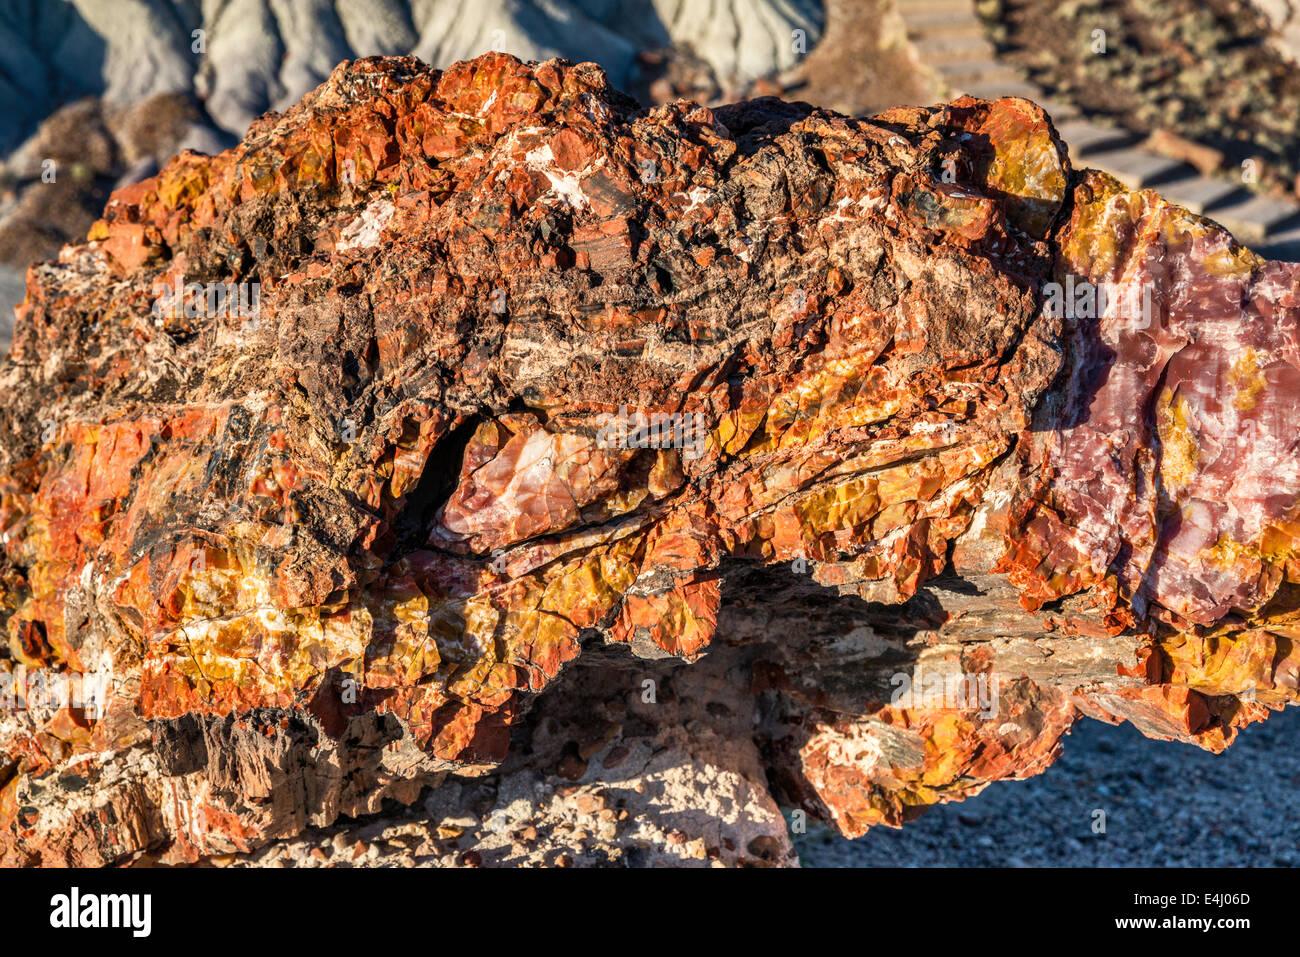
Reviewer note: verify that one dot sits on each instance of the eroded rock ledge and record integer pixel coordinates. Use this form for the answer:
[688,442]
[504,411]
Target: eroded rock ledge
[899,511]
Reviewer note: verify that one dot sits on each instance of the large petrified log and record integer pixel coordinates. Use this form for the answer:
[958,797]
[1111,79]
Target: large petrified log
[928,441]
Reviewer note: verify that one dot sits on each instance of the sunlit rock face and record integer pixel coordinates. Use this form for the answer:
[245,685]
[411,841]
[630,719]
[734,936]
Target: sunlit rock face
[337,452]
[98,93]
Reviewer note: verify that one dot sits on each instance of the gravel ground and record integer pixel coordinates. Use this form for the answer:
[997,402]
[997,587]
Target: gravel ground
[1166,804]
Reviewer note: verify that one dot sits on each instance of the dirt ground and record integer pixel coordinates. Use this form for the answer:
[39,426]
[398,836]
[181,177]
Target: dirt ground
[862,64]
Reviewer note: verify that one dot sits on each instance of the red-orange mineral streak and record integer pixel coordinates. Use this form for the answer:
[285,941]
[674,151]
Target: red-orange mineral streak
[393,490]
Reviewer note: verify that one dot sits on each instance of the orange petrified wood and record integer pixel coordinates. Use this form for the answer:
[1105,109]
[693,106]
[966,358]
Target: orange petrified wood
[336,551]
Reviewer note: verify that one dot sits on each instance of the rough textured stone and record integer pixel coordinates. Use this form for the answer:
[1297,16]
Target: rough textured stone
[109,90]
[550,402]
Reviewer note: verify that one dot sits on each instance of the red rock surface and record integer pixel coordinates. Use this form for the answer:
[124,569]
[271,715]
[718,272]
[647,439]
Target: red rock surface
[538,378]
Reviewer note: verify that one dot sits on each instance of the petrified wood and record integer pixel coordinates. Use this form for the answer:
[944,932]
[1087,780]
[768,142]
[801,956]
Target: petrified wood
[534,381]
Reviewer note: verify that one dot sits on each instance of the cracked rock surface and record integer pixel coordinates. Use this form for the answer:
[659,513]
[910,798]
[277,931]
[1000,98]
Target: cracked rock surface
[602,480]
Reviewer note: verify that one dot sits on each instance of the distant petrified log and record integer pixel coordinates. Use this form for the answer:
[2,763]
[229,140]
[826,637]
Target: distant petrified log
[333,451]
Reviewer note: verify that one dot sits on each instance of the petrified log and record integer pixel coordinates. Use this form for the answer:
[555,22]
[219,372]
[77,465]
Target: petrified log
[928,441]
